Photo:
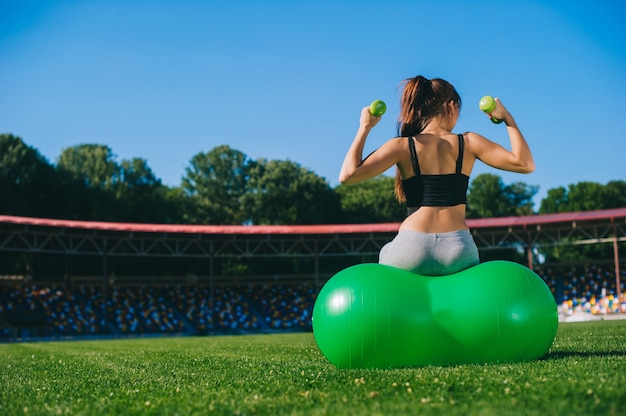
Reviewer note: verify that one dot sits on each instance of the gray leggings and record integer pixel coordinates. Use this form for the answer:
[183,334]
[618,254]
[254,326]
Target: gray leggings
[431,254]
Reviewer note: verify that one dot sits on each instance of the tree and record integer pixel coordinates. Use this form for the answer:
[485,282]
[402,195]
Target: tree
[371,201]
[215,182]
[555,201]
[28,182]
[615,194]
[489,197]
[283,192]
[520,197]
[176,203]
[100,188]
[141,196]
[89,172]
[585,196]
[94,164]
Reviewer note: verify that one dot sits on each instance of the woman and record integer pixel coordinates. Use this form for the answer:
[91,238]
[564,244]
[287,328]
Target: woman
[433,169]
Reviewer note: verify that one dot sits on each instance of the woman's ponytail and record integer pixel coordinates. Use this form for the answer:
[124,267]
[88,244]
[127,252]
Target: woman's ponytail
[421,100]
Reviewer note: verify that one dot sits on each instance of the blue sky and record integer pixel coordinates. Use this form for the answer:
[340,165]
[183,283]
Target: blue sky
[164,80]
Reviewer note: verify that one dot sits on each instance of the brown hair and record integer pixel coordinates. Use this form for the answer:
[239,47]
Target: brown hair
[421,101]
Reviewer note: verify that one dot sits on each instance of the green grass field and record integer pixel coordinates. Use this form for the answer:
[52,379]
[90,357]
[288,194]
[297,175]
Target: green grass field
[583,374]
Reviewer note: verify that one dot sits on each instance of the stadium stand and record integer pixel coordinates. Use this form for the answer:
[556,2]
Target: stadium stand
[40,311]
[28,311]
[590,289]
[67,299]
[283,306]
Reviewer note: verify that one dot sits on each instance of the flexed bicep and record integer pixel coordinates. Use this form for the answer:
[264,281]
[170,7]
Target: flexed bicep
[517,160]
[373,165]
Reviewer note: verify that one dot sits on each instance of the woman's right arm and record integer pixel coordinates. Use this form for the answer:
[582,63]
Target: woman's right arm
[519,159]
[356,169]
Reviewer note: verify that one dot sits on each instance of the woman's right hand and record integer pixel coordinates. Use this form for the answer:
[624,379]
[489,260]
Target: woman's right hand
[368,120]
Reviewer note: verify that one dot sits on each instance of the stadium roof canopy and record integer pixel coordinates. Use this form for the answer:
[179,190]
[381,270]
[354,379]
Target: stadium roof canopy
[113,239]
[573,227]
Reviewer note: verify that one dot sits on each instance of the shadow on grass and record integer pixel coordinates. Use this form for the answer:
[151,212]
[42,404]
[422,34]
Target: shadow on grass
[559,355]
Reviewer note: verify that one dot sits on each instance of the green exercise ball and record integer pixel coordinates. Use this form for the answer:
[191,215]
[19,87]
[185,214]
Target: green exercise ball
[376,316]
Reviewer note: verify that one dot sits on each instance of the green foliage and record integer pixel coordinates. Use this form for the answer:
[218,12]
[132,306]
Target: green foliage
[287,374]
[93,163]
[216,182]
[223,186]
[140,195]
[585,196]
[372,201]
[174,204]
[234,267]
[582,196]
[136,174]
[108,190]
[489,197]
[555,201]
[28,182]
[281,192]
[615,194]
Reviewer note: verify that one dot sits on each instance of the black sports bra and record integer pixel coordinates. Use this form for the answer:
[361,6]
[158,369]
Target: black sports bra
[443,190]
